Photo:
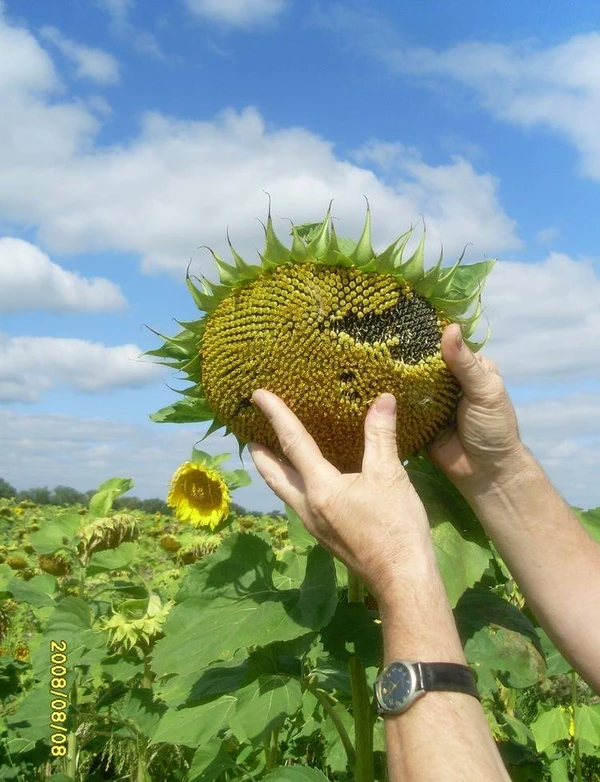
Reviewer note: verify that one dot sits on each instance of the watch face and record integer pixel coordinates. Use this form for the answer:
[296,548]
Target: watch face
[396,684]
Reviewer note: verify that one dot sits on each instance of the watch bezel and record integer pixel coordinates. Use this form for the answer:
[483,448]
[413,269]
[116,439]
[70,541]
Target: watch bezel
[414,693]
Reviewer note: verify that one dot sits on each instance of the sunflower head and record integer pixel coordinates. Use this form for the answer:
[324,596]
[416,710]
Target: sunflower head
[327,324]
[55,564]
[198,493]
[170,543]
[108,532]
[198,546]
[21,652]
[137,623]
[17,562]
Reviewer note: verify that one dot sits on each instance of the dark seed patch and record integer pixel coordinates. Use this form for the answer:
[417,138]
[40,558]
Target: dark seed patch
[243,404]
[414,322]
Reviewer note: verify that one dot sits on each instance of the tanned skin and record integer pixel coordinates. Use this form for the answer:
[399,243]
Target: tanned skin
[376,524]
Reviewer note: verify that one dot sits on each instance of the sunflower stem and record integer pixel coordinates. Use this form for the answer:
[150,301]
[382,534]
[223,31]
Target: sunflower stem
[148,676]
[72,749]
[82,575]
[356,591]
[323,697]
[576,751]
[361,706]
[271,747]
[142,767]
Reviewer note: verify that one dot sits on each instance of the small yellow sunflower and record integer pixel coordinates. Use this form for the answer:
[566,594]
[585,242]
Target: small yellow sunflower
[200,492]
[21,652]
[199,495]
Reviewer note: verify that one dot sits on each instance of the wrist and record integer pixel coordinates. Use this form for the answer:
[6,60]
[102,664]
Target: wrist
[417,619]
[404,575]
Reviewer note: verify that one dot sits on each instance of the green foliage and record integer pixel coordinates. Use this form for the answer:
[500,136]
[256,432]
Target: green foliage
[102,501]
[65,496]
[7,491]
[239,665]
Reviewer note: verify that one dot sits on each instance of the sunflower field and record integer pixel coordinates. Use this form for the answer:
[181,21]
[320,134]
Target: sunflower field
[134,647]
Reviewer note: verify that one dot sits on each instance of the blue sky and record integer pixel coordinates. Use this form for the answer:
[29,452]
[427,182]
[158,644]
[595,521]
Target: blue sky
[133,133]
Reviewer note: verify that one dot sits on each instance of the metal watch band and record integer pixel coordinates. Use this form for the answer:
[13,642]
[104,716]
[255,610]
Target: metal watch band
[444,677]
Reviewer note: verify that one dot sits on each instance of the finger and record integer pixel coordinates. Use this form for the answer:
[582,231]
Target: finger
[444,436]
[285,482]
[472,373]
[280,477]
[381,449]
[296,443]
[445,444]
[488,364]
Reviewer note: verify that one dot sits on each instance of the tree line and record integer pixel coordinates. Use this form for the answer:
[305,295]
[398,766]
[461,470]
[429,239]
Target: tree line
[66,495]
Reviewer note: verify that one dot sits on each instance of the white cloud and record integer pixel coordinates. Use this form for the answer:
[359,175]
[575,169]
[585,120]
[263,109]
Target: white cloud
[574,416]
[564,434]
[55,449]
[37,134]
[547,236]
[556,88]
[119,13]
[29,366]
[24,65]
[90,63]
[456,200]
[29,280]
[180,183]
[545,320]
[238,13]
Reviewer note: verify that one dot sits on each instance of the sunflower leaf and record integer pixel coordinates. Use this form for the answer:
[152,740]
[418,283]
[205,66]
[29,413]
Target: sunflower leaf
[107,493]
[183,412]
[229,602]
[236,479]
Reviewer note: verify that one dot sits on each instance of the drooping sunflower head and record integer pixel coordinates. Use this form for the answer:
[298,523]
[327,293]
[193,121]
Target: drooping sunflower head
[170,543]
[108,532]
[197,546]
[17,562]
[327,325]
[55,564]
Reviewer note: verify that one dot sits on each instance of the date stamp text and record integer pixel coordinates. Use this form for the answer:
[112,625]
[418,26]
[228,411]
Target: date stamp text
[59,698]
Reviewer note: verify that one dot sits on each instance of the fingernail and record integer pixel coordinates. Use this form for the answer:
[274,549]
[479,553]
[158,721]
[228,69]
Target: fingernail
[459,340]
[258,397]
[386,404]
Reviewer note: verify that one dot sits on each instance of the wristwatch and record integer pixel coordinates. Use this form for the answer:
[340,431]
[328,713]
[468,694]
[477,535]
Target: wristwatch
[402,682]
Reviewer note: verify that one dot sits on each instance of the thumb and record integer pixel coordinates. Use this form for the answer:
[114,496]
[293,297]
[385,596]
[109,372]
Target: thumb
[473,377]
[380,435]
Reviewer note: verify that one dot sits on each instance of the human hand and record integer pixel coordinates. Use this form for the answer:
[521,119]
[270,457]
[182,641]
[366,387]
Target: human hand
[373,521]
[485,439]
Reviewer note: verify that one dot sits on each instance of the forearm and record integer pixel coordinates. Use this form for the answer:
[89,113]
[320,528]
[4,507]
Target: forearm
[551,556]
[443,735]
